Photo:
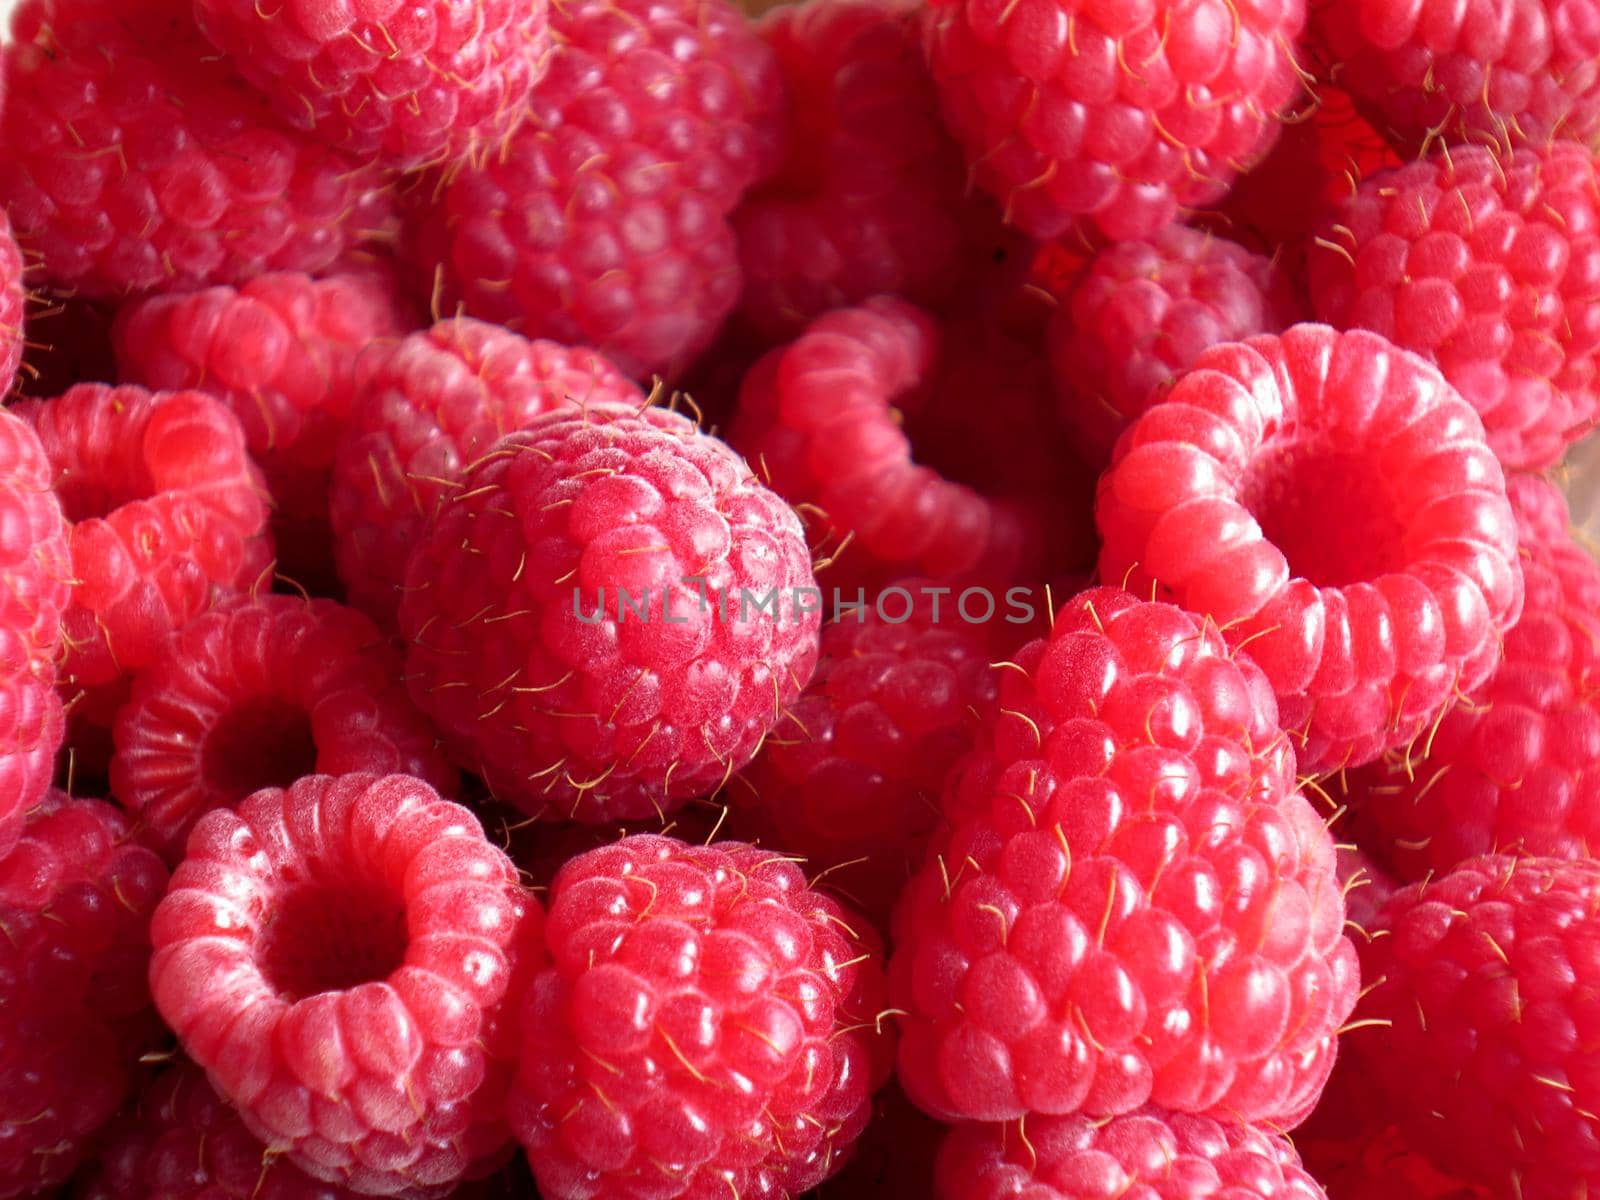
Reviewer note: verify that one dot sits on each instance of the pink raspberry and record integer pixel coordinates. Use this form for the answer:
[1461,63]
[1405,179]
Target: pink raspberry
[410,83]
[1134,906]
[624,644]
[167,513]
[1329,502]
[1487,263]
[134,160]
[280,351]
[1446,72]
[602,221]
[1141,312]
[1476,1036]
[256,694]
[1110,116]
[424,413]
[76,895]
[335,956]
[1149,1153]
[871,196]
[708,1025]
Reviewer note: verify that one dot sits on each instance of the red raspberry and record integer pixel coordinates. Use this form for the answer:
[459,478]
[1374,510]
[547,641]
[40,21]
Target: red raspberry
[1476,1036]
[280,352]
[1489,264]
[410,83]
[12,300]
[1328,501]
[1149,1153]
[602,221]
[626,642]
[1134,905]
[427,411]
[76,896]
[335,956]
[1142,312]
[1540,507]
[32,729]
[1452,71]
[134,160]
[871,196]
[167,513]
[256,694]
[1112,115]
[708,1026]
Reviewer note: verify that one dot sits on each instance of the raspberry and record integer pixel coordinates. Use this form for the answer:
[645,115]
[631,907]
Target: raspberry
[32,729]
[871,194]
[602,220]
[334,956]
[1109,117]
[280,351]
[166,512]
[1142,312]
[428,410]
[708,1025]
[1474,71]
[624,644]
[1476,1036]
[1486,263]
[75,902]
[134,160]
[12,299]
[255,694]
[414,84]
[1133,906]
[1328,501]
[1147,1153]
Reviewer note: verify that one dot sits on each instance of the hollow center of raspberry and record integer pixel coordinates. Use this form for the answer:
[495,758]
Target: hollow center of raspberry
[258,744]
[85,496]
[327,937]
[1330,511]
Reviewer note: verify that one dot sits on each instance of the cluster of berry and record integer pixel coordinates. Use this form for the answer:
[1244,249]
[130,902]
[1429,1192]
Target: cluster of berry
[957,598]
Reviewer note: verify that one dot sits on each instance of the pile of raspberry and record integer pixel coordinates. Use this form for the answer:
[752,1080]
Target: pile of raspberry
[709,600]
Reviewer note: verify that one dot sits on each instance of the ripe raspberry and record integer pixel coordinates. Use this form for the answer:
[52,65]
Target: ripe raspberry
[1134,905]
[602,221]
[256,694]
[850,778]
[167,517]
[134,160]
[12,301]
[1112,116]
[280,352]
[1476,1037]
[1147,1153]
[75,902]
[32,729]
[35,567]
[412,84]
[427,411]
[1142,312]
[1328,501]
[334,956]
[708,1025]
[1474,71]
[871,196]
[1486,263]
[627,641]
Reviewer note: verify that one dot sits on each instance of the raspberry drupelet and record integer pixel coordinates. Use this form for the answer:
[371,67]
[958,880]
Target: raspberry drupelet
[1329,502]
[1488,263]
[255,694]
[76,896]
[336,957]
[1133,906]
[413,84]
[602,221]
[135,160]
[425,412]
[1110,117]
[1149,1153]
[708,1025]
[608,614]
